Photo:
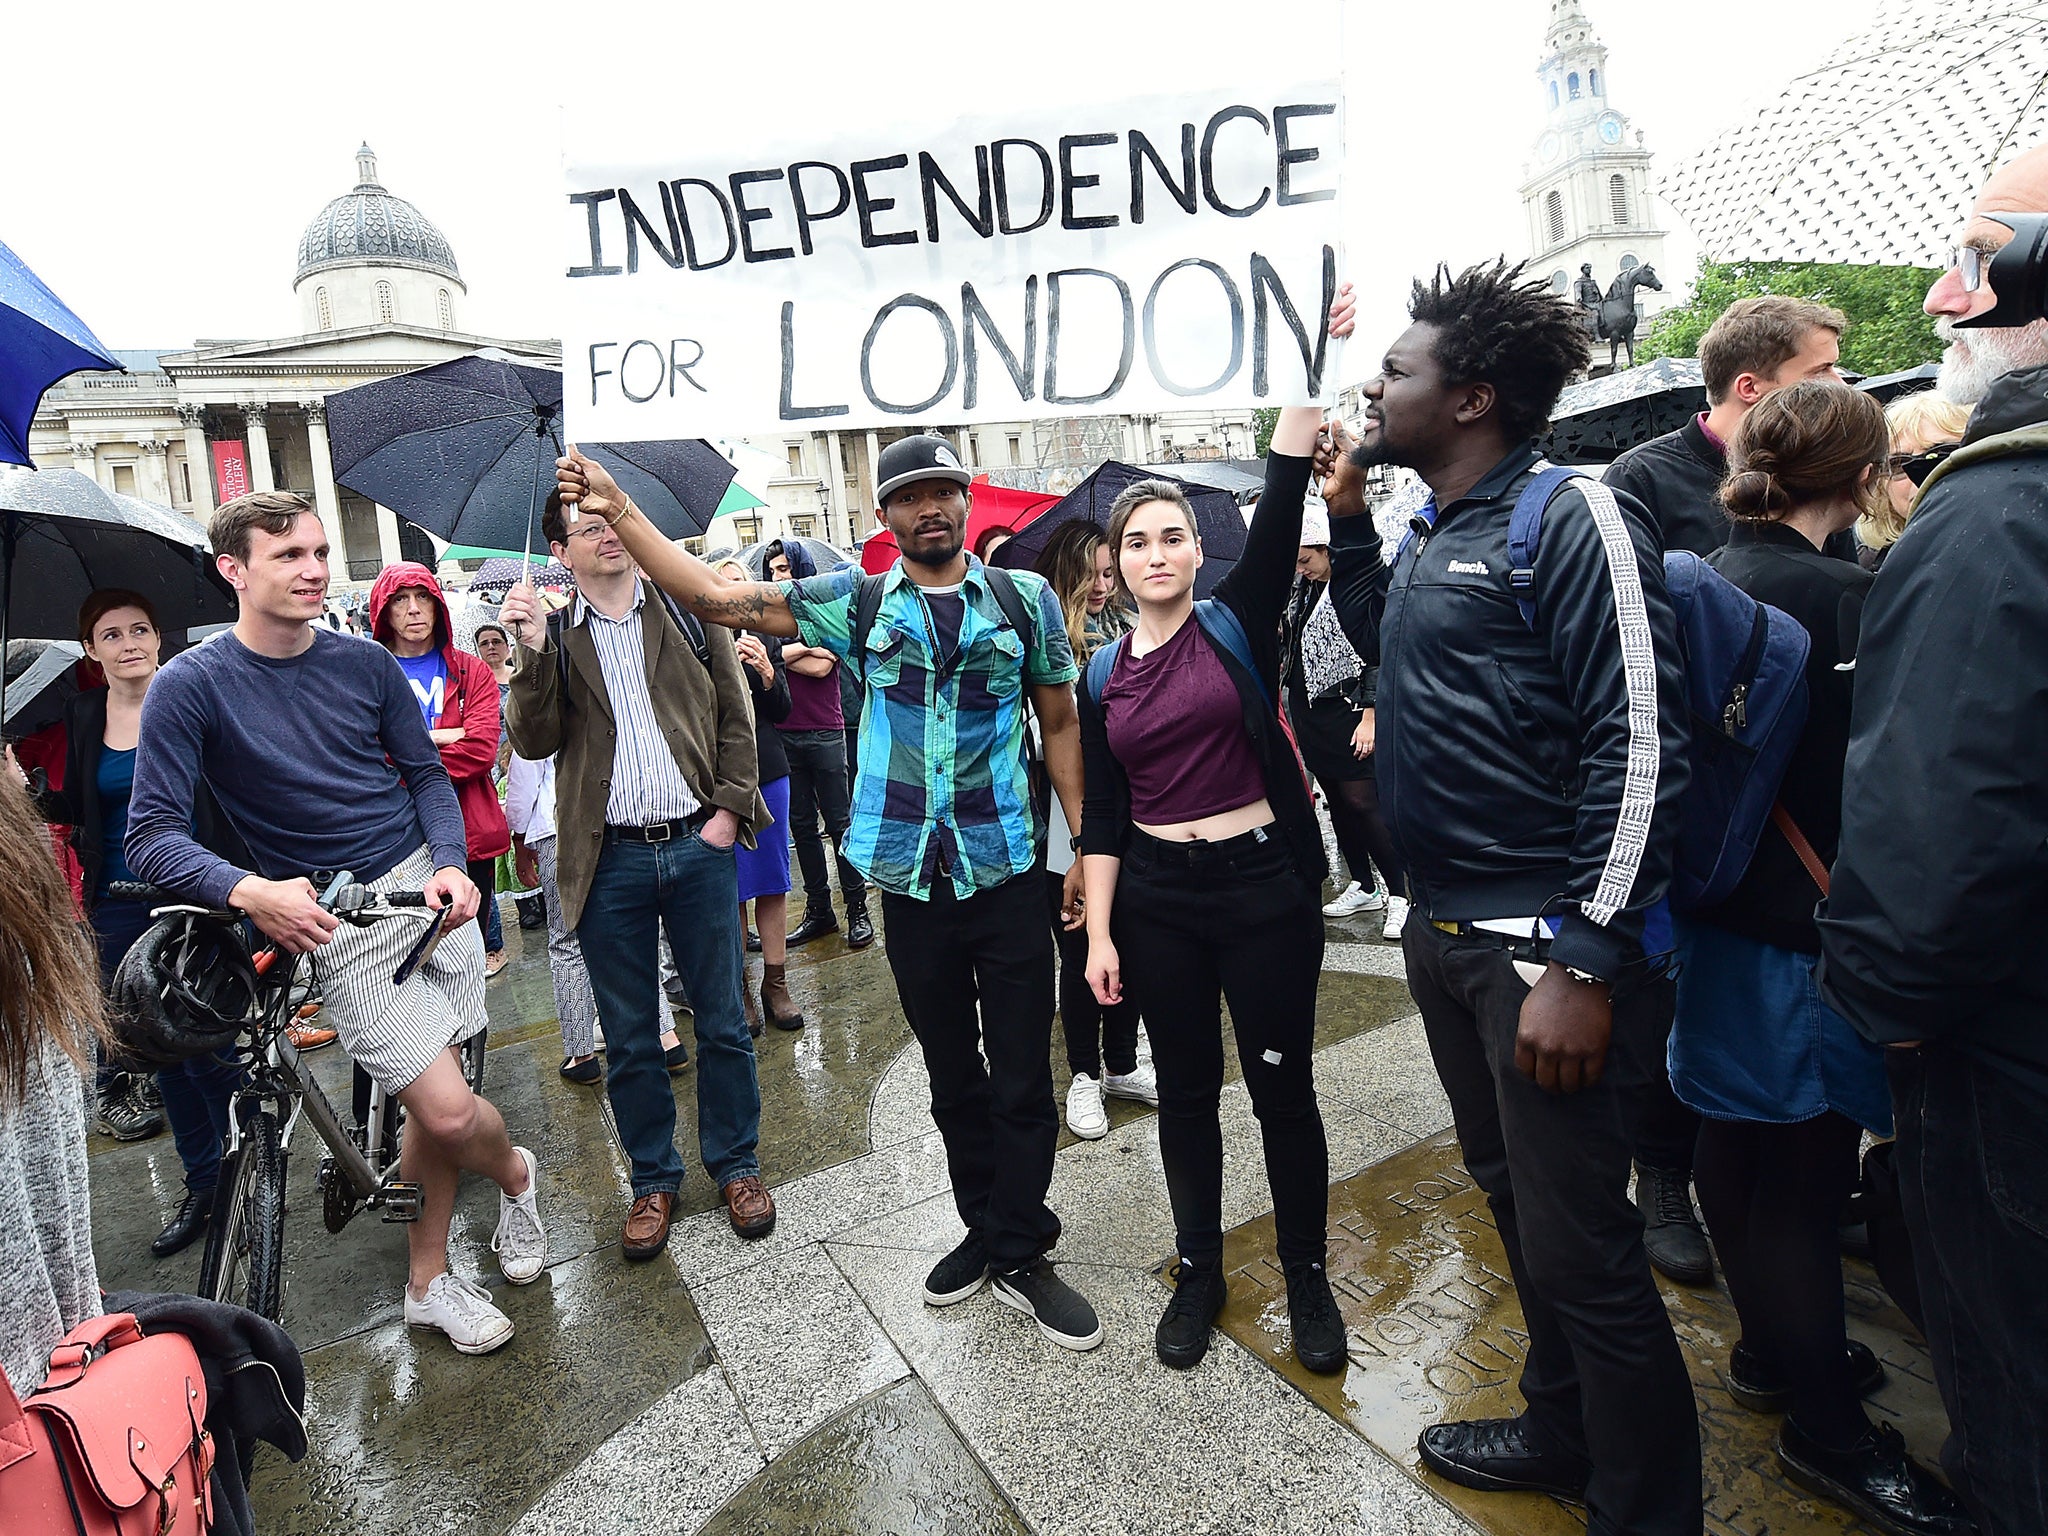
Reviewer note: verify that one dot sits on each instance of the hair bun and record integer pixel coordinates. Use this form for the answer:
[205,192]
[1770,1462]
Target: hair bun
[1752,493]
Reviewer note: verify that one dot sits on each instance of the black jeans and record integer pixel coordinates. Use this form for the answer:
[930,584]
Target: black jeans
[818,784]
[1972,1164]
[997,1120]
[1196,923]
[1604,1378]
[1095,1034]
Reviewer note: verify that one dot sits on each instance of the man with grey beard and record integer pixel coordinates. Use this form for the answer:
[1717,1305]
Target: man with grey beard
[1931,936]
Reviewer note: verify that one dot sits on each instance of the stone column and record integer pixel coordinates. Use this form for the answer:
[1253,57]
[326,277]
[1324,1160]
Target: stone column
[387,536]
[199,458]
[156,472]
[85,459]
[865,517]
[835,485]
[260,478]
[326,501]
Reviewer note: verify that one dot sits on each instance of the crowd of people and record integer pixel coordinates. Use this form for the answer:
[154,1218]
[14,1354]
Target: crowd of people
[1081,789]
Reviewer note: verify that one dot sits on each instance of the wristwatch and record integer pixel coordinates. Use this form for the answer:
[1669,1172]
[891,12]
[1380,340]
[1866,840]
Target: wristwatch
[1074,843]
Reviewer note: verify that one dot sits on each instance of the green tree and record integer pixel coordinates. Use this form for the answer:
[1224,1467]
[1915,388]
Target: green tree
[1263,421]
[1887,330]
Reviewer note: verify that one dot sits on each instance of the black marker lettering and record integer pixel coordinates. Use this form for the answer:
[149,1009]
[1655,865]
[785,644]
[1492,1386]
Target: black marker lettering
[1264,278]
[806,216]
[870,205]
[1288,156]
[981,218]
[791,411]
[1209,163]
[1002,180]
[732,238]
[590,200]
[974,314]
[867,348]
[1070,182]
[1052,337]
[1183,193]
[637,225]
[749,217]
[1236,301]
[596,372]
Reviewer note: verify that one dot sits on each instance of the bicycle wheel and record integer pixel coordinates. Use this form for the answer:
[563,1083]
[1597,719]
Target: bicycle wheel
[244,1262]
[473,1060]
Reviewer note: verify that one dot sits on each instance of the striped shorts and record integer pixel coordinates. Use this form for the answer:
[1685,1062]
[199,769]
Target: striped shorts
[394,1033]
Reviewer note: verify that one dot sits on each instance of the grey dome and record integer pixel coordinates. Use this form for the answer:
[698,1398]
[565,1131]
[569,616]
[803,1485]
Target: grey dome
[370,225]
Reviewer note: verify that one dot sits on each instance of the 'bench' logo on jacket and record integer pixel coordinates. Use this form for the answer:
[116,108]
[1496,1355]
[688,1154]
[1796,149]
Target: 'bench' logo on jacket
[1467,568]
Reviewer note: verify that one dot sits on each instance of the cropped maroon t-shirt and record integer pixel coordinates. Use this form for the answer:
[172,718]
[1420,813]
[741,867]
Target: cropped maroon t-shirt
[1176,725]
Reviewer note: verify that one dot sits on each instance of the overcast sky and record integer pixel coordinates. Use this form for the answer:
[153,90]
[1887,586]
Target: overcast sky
[165,163]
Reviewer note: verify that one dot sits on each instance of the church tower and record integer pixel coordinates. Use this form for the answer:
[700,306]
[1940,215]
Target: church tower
[1588,196]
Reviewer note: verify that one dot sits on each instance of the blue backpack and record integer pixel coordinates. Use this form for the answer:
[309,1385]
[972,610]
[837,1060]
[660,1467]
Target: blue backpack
[1745,690]
[1218,621]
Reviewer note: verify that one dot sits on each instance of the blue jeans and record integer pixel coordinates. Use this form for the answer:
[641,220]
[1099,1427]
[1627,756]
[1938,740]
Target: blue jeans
[691,890]
[196,1095]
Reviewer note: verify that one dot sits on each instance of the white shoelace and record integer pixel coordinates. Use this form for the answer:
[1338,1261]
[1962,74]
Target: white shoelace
[465,1298]
[519,1227]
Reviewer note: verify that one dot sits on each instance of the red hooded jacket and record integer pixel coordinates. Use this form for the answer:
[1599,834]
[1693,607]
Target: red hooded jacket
[472,704]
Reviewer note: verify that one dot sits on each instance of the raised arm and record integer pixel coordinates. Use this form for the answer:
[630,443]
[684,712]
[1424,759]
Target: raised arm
[587,486]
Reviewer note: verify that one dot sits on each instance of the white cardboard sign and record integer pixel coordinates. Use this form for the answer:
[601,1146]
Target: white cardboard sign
[1173,253]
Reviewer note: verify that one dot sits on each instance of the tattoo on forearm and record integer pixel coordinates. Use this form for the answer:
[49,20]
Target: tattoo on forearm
[741,603]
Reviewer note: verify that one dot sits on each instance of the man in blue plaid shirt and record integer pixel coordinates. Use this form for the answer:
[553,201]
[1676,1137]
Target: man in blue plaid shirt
[944,823]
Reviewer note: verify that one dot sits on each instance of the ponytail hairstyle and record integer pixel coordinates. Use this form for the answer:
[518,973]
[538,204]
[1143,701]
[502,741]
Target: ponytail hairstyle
[1068,565]
[49,976]
[1803,445]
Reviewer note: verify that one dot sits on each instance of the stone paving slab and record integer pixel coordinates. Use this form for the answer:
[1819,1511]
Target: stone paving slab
[1435,1333]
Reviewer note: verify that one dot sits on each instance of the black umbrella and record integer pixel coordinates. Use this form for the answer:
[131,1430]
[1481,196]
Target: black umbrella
[467,448]
[1599,420]
[69,538]
[42,677]
[1219,522]
[1887,387]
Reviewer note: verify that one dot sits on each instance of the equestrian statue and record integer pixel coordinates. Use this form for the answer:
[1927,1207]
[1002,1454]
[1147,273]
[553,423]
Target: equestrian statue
[1614,320]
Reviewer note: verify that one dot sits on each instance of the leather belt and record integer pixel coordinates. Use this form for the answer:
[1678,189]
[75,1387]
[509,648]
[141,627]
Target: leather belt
[660,831]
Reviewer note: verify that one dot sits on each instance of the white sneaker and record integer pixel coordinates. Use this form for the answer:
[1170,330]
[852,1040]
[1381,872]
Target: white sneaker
[1140,1083]
[521,1242]
[1086,1117]
[1355,898]
[1397,915]
[463,1310]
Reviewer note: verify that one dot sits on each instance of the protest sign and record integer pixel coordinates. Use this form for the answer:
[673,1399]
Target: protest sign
[1171,253]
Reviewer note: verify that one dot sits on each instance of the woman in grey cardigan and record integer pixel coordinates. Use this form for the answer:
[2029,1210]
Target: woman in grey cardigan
[49,1018]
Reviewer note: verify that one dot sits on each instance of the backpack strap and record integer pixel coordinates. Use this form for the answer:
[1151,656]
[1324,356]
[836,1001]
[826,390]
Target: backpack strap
[1100,665]
[1220,622]
[1011,601]
[867,605]
[1525,531]
[688,623]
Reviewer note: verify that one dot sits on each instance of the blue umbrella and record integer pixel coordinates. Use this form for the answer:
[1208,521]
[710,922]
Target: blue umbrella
[467,448]
[1219,522]
[40,342]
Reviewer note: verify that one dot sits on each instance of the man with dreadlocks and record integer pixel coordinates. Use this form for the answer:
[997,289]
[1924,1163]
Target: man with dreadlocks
[1529,769]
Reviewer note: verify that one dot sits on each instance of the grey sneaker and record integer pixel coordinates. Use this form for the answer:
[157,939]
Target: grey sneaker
[122,1114]
[959,1274]
[521,1242]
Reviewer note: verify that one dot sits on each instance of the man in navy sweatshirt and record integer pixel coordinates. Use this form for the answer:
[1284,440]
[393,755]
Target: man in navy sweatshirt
[314,747]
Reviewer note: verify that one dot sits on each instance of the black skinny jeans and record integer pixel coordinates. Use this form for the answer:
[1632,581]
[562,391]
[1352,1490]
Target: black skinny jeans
[1604,1378]
[1196,924]
[1095,1034]
[996,1119]
[818,784]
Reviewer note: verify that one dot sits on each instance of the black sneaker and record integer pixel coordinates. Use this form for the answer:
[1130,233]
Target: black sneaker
[753,942]
[122,1115]
[860,928]
[1182,1337]
[818,921]
[1754,1382]
[1877,1480]
[1313,1316]
[1499,1456]
[1671,1227]
[959,1274]
[1063,1313]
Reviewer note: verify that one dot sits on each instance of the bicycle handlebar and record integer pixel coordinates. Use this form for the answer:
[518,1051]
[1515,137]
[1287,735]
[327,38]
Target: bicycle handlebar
[345,895]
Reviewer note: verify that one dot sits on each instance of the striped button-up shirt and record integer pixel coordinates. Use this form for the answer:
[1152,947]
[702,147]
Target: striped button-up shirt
[647,786]
[942,784]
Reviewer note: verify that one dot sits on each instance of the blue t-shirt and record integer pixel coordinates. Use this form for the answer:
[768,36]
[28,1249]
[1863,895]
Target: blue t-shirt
[116,784]
[428,675]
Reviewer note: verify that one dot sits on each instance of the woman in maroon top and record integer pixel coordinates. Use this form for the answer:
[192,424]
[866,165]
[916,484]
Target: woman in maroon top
[1203,868]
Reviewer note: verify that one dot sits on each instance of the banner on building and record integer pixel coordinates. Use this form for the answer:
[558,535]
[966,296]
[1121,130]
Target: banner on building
[230,470]
[1167,254]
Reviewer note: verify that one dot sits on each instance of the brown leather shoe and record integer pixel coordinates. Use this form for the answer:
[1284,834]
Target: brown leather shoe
[310,1037]
[750,1207]
[753,1009]
[775,999]
[647,1225]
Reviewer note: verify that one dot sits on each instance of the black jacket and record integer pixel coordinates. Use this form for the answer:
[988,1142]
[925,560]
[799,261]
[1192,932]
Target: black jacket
[1526,772]
[1256,591]
[1774,564]
[771,708]
[77,804]
[1678,477]
[1941,887]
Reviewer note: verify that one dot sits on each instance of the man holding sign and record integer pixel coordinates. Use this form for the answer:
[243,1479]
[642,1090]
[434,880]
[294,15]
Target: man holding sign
[943,822]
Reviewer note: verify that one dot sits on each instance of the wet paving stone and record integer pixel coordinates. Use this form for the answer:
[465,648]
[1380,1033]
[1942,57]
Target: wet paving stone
[889,1466]
[1436,1333]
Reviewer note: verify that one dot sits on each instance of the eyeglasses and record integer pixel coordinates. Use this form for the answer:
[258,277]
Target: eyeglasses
[1970,263]
[597,529]
[1916,467]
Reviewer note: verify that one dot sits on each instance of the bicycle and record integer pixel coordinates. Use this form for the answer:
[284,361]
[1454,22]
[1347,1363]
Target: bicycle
[243,1260]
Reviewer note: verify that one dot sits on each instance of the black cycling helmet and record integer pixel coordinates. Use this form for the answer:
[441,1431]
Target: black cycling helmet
[184,988]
